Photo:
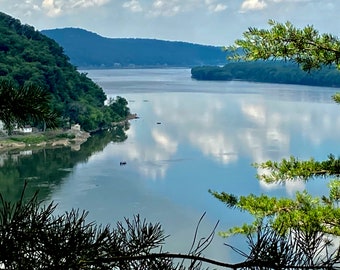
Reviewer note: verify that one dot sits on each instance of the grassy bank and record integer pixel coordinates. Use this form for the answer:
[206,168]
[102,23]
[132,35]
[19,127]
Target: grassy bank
[49,138]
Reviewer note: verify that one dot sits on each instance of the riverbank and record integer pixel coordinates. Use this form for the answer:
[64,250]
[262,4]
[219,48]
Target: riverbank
[53,138]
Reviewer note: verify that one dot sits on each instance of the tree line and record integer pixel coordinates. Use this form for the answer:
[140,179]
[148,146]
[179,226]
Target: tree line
[268,72]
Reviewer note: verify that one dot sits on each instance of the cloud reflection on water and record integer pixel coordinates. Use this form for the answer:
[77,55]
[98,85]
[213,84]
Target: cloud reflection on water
[224,127]
[206,140]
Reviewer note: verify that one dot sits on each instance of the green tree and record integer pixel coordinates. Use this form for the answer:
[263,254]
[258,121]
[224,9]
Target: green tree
[283,41]
[312,222]
[118,108]
[23,105]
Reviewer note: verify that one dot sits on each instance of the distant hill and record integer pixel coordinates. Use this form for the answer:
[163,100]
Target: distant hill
[89,50]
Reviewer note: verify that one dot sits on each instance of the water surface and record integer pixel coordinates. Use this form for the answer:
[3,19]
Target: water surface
[193,136]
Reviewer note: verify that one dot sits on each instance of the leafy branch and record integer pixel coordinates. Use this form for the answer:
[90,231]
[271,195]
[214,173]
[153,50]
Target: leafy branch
[295,169]
[283,41]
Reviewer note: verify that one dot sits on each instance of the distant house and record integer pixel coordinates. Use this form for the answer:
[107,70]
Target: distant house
[75,127]
[26,129]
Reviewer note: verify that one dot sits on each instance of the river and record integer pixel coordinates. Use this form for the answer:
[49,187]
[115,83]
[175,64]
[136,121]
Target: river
[191,136]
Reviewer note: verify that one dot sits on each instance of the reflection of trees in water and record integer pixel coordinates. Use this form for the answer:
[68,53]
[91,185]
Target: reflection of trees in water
[46,168]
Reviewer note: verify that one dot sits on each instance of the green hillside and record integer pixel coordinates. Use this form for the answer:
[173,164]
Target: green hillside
[89,50]
[268,72]
[29,57]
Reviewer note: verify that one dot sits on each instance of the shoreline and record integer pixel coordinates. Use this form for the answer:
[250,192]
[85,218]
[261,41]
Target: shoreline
[44,140]
[50,139]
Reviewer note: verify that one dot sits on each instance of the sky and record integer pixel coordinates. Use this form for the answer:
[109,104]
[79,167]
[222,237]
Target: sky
[208,22]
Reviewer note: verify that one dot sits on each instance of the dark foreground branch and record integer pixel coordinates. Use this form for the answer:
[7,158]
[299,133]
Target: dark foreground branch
[243,265]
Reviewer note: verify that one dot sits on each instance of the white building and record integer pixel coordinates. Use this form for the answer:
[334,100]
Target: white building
[26,129]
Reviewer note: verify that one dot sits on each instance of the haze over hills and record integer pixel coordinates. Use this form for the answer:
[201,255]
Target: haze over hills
[90,50]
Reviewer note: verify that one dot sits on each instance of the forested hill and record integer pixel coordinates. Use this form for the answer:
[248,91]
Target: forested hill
[89,50]
[29,57]
[268,72]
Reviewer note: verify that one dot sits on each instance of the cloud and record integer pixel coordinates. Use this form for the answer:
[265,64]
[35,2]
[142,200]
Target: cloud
[165,8]
[28,7]
[133,5]
[55,8]
[215,7]
[52,8]
[196,21]
[248,5]
[170,8]
[89,3]
[218,7]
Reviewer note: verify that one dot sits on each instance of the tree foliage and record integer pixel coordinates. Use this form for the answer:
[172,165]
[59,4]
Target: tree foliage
[312,221]
[27,57]
[305,212]
[272,249]
[24,105]
[31,237]
[295,169]
[284,41]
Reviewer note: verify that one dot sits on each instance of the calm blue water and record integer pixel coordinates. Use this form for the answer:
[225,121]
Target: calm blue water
[194,136]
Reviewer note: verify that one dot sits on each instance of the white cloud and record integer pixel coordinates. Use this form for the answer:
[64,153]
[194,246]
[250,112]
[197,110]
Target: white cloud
[220,7]
[133,5]
[165,8]
[253,5]
[173,7]
[215,7]
[89,3]
[249,5]
[55,8]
